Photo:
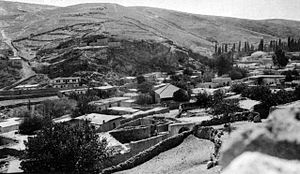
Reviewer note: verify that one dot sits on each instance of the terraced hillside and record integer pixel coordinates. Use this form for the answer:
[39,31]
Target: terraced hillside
[110,37]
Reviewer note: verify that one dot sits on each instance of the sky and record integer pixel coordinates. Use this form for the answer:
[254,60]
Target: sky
[249,9]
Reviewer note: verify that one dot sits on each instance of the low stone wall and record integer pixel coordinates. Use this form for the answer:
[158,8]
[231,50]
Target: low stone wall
[132,134]
[239,116]
[138,122]
[148,154]
[141,145]
[145,114]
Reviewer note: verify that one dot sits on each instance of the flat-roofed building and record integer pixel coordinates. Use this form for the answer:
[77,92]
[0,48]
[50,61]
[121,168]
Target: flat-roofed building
[101,122]
[66,82]
[10,124]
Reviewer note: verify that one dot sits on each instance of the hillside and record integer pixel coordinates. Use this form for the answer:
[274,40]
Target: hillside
[58,36]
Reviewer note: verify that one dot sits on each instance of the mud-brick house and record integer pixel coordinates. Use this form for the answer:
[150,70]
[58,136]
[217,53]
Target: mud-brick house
[102,122]
[165,93]
[66,82]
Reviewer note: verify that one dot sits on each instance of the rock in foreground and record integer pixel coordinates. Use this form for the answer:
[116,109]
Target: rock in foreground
[257,163]
[279,137]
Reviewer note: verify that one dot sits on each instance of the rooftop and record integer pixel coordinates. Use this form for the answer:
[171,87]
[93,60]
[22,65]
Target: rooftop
[105,87]
[98,119]
[167,91]
[66,78]
[126,109]
[267,76]
[109,100]
[28,86]
[10,122]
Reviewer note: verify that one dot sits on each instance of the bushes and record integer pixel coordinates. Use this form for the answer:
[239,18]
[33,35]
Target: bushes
[204,100]
[238,88]
[226,107]
[259,93]
[144,99]
[181,96]
[61,148]
[33,123]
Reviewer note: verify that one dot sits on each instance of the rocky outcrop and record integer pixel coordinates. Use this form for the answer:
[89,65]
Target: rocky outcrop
[258,163]
[279,137]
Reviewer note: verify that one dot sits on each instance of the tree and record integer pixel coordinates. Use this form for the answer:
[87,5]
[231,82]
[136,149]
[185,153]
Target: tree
[188,71]
[259,93]
[181,96]
[57,108]
[261,45]
[226,107]
[145,87]
[204,100]
[238,88]
[140,79]
[67,149]
[223,64]
[144,99]
[83,106]
[279,58]
[33,123]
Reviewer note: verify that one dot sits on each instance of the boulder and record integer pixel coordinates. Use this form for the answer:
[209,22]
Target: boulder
[279,137]
[258,163]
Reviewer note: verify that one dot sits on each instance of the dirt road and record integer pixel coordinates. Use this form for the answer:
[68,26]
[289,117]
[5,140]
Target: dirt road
[190,157]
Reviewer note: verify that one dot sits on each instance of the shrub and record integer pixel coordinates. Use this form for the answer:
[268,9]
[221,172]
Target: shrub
[259,93]
[33,123]
[238,88]
[204,100]
[226,107]
[145,87]
[181,96]
[144,99]
[67,149]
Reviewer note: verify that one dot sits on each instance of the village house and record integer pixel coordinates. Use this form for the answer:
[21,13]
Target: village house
[102,122]
[222,81]
[129,79]
[10,124]
[15,62]
[104,104]
[67,92]
[165,93]
[66,82]
[267,79]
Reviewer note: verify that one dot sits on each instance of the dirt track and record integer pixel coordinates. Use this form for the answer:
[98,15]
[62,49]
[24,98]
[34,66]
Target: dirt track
[190,157]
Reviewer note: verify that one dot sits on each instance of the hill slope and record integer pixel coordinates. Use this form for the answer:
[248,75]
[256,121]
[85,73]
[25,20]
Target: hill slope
[55,35]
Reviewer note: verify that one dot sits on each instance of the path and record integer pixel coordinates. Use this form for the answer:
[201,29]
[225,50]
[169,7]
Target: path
[26,70]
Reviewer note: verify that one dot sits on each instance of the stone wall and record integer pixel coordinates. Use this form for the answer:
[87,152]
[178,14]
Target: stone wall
[148,154]
[132,134]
